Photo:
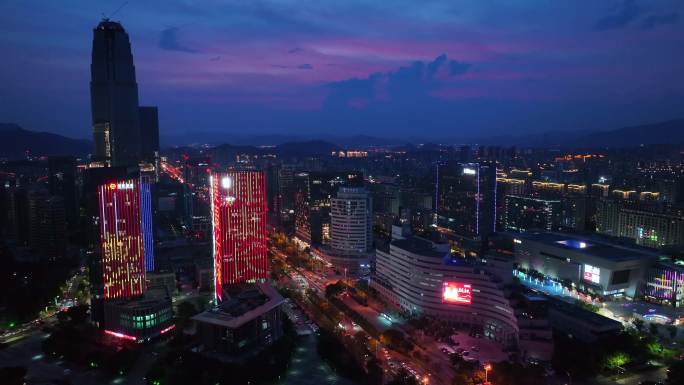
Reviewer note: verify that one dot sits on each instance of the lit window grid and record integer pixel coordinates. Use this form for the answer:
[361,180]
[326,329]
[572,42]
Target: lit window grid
[123,265]
[239,228]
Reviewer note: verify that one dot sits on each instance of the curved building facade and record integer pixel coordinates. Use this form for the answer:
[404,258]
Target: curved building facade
[351,221]
[422,278]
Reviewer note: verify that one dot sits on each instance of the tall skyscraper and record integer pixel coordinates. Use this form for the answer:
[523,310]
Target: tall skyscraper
[17,215]
[528,213]
[62,183]
[47,234]
[238,211]
[114,97]
[466,199]
[351,221]
[124,204]
[312,201]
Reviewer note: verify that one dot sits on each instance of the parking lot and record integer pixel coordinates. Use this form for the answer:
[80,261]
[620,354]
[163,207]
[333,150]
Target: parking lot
[474,349]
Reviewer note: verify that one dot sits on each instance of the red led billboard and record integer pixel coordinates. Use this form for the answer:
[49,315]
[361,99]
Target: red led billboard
[457,292]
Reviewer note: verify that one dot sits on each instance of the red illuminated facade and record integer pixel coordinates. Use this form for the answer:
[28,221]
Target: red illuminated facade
[238,207]
[457,292]
[121,236]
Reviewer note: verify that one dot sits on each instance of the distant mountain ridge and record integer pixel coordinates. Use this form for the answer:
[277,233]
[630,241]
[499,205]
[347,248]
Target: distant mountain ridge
[668,132]
[16,142]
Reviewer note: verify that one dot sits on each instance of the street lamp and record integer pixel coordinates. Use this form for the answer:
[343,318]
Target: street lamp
[487,368]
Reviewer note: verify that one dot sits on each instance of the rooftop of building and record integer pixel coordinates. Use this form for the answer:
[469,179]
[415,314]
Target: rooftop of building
[153,297]
[110,25]
[419,246]
[676,266]
[243,306]
[591,245]
[584,315]
[535,199]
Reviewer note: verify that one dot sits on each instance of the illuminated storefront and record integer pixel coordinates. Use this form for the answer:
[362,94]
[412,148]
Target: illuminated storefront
[664,284]
[592,273]
[139,319]
[594,265]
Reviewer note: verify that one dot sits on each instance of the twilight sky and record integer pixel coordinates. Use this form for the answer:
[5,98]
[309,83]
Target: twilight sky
[424,68]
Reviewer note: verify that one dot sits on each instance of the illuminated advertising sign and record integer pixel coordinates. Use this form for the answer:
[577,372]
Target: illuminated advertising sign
[592,273]
[469,171]
[457,292]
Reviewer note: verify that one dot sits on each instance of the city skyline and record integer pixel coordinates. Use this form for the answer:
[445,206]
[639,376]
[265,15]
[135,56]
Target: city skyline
[288,68]
[355,193]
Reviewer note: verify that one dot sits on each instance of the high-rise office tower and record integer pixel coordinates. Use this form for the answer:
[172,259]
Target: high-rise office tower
[529,213]
[286,186]
[114,97]
[312,201]
[47,222]
[273,188]
[17,215]
[62,183]
[351,221]
[238,211]
[124,206]
[466,199]
[149,134]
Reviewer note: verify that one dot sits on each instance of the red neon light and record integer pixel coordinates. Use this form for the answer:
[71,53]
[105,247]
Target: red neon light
[120,335]
[457,292]
[168,329]
[239,226]
[122,247]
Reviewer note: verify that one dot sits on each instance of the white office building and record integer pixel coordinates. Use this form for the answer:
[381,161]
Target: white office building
[351,221]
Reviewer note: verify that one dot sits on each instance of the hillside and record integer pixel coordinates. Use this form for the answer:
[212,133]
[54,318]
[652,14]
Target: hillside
[16,142]
[670,132]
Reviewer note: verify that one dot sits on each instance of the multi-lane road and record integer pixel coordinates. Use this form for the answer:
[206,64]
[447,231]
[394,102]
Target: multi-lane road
[437,371]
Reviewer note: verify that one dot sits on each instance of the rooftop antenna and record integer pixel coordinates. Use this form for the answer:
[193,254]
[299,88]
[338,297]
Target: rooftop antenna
[107,18]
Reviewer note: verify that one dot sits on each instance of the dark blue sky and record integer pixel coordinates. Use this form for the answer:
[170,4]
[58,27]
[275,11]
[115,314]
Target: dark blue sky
[426,68]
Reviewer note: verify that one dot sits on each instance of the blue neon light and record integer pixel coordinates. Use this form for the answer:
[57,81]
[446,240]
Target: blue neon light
[146,216]
[575,244]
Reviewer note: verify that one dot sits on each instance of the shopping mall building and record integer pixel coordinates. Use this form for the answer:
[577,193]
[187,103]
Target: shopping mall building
[421,277]
[595,264]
